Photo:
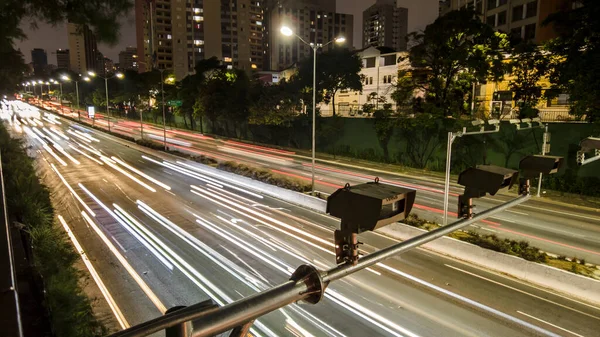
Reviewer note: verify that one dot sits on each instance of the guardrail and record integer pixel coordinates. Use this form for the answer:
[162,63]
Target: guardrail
[9,295]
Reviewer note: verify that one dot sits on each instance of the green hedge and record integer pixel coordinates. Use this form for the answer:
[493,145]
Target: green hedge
[265,176]
[28,202]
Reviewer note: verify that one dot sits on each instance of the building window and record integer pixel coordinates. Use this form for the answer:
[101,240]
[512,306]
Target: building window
[502,2]
[491,20]
[517,13]
[370,80]
[369,62]
[491,4]
[531,9]
[516,32]
[530,32]
[501,18]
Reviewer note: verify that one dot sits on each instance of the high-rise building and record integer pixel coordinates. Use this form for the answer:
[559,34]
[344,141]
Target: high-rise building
[109,66]
[128,59]
[39,58]
[175,34]
[520,18]
[385,25]
[63,59]
[312,20]
[83,49]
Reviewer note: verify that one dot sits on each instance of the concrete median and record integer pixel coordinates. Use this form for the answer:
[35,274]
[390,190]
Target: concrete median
[570,284]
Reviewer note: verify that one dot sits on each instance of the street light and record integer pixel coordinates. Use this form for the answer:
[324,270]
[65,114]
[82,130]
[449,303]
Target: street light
[162,90]
[287,31]
[117,75]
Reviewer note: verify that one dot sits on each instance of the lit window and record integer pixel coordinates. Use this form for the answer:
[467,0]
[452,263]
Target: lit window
[198,42]
[254,66]
[259,23]
[169,37]
[197,10]
[230,67]
[227,59]
[198,18]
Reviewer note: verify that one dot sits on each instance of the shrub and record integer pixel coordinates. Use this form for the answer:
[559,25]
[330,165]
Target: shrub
[28,202]
[264,176]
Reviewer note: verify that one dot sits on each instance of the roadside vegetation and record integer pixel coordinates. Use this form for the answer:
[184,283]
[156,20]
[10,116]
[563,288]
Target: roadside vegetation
[49,254]
[521,248]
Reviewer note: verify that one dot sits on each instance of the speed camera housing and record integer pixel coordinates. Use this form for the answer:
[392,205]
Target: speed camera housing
[366,207]
[481,180]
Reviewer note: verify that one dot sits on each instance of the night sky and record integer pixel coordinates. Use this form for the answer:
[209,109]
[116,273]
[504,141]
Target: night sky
[51,38]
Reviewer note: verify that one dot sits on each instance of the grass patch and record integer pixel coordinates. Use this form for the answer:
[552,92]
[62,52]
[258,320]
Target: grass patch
[265,176]
[53,257]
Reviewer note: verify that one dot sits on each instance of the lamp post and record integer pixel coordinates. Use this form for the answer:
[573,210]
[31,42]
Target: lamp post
[67,78]
[117,75]
[286,31]
[162,90]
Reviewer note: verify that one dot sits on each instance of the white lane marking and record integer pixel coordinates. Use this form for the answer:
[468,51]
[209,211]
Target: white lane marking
[469,301]
[145,288]
[173,194]
[521,213]
[487,229]
[550,324]
[119,244]
[502,219]
[530,294]
[374,271]
[109,299]
[562,213]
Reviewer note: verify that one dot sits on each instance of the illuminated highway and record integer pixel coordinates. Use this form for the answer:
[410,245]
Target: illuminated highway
[162,231]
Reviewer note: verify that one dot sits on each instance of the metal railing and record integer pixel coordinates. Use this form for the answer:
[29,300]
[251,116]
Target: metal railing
[8,281]
[306,283]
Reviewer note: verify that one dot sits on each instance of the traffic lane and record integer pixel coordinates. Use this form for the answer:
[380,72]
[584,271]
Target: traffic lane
[130,197]
[495,290]
[189,298]
[434,267]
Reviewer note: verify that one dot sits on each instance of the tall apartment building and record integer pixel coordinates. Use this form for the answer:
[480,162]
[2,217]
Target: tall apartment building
[39,58]
[83,50]
[175,34]
[522,18]
[385,24]
[312,20]
[63,59]
[128,59]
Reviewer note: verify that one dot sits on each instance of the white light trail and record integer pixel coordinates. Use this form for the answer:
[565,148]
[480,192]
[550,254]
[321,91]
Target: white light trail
[140,173]
[109,299]
[85,154]
[87,208]
[136,277]
[112,164]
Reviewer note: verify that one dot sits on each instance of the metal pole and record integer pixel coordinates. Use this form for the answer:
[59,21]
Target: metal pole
[142,121]
[77,90]
[107,110]
[214,321]
[163,108]
[447,181]
[11,258]
[473,99]
[61,95]
[314,116]
[543,153]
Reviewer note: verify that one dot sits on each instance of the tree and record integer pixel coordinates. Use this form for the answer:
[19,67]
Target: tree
[384,123]
[451,54]
[336,70]
[100,15]
[528,66]
[576,70]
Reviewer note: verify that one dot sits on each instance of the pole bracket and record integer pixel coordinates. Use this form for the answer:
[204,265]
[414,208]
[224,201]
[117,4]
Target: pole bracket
[311,276]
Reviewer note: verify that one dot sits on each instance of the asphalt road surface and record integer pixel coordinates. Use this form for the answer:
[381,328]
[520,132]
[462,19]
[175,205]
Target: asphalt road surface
[188,236]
